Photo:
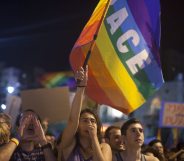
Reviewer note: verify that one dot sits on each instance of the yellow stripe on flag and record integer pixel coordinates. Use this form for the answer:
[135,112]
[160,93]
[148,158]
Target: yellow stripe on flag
[117,70]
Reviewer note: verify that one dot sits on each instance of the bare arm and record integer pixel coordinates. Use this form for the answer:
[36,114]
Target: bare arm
[41,139]
[171,157]
[151,158]
[7,150]
[68,137]
[101,152]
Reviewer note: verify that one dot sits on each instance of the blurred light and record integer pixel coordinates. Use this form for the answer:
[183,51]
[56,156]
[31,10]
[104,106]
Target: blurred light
[10,89]
[3,106]
[116,113]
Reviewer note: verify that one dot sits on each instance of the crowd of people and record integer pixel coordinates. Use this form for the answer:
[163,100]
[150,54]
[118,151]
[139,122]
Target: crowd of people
[81,139]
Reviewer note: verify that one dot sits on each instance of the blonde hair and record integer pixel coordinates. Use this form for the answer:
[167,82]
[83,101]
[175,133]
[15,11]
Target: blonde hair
[5,128]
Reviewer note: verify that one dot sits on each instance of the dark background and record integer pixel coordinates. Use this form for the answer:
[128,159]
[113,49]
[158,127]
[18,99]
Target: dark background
[42,33]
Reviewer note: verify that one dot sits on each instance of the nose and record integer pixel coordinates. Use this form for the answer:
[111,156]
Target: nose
[138,132]
[88,121]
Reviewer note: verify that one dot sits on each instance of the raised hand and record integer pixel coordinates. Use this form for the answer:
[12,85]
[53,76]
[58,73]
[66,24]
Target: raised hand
[92,129]
[81,76]
[39,136]
[24,123]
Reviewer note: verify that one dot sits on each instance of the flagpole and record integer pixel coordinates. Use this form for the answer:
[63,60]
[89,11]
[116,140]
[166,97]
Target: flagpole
[95,36]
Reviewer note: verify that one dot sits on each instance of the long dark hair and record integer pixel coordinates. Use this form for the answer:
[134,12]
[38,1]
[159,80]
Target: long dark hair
[99,125]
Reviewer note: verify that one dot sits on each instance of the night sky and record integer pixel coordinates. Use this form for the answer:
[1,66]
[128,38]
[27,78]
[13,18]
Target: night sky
[42,33]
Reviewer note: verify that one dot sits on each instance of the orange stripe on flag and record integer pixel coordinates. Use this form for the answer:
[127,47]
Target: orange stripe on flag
[106,81]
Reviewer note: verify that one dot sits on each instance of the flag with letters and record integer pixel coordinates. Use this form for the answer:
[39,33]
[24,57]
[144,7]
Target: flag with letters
[124,64]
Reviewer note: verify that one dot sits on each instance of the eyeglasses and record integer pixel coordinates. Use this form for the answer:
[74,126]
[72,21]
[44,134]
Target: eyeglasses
[87,120]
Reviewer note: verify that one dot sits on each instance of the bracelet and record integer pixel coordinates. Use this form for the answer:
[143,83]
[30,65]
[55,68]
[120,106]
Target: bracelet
[17,136]
[81,86]
[14,140]
[47,146]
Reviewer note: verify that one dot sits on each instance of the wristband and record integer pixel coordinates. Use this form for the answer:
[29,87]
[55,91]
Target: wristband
[14,140]
[81,86]
[16,136]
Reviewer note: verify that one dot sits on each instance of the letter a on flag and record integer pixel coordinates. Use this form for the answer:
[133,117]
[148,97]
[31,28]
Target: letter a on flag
[123,38]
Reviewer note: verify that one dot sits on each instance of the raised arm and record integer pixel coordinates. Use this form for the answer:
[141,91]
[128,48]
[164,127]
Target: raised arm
[102,152]
[7,145]
[175,155]
[41,139]
[7,150]
[68,137]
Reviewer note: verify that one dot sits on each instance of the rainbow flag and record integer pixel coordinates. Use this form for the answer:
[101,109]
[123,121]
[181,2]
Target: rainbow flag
[57,79]
[124,65]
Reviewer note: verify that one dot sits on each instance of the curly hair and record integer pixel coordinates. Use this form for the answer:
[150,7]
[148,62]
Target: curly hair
[5,126]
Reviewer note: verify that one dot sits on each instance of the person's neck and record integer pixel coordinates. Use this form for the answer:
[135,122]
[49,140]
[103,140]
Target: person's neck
[132,154]
[27,146]
[85,143]
[86,148]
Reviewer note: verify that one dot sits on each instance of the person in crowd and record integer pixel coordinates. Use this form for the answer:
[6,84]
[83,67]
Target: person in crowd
[113,138]
[176,154]
[7,144]
[5,128]
[157,144]
[133,139]
[48,134]
[147,150]
[81,137]
[180,156]
[180,151]
[45,125]
[33,144]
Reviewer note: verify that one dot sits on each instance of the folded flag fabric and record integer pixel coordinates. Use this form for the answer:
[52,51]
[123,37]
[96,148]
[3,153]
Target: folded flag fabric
[124,66]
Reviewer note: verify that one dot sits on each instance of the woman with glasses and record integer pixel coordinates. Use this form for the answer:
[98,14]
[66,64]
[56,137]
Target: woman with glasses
[81,137]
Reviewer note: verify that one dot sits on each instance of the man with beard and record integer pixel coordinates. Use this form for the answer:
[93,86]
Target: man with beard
[33,145]
[113,138]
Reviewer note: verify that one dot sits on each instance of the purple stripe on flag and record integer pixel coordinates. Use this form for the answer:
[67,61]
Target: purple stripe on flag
[142,17]
[140,13]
